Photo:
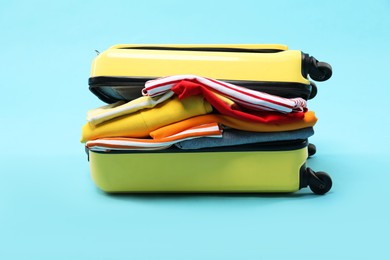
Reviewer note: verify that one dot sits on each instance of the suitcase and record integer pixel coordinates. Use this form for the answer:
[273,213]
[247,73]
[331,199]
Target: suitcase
[265,167]
[120,72]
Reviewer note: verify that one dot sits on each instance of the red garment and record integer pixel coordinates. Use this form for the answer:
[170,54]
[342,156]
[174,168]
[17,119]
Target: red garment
[186,88]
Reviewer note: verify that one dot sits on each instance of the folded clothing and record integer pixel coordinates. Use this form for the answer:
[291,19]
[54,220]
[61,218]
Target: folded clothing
[309,120]
[232,137]
[141,123]
[211,130]
[251,99]
[160,114]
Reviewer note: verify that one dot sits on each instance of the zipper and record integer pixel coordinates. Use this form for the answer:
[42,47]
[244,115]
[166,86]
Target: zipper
[106,88]
[206,49]
[257,147]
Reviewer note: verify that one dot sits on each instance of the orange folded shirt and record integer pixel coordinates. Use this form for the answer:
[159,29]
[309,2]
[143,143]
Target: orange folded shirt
[309,120]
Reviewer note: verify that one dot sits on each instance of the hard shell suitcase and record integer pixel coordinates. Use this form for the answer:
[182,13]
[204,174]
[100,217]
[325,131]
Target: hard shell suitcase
[266,167]
[120,72]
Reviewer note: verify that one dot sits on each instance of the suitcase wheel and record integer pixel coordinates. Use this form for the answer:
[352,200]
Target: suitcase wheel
[311,149]
[321,71]
[319,182]
[317,70]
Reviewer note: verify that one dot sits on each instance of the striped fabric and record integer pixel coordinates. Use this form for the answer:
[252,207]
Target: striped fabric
[123,143]
[251,99]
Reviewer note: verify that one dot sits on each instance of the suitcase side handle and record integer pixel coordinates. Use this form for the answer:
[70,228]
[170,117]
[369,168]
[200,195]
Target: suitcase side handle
[205,49]
[317,70]
[255,48]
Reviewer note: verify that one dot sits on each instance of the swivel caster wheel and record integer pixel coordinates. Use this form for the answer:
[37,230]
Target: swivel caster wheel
[319,182]
[311,149]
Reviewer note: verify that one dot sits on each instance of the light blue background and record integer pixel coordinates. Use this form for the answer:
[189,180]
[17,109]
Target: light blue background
[50,208]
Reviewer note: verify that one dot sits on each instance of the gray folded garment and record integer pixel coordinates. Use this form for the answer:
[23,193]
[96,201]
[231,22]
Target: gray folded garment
[237,137]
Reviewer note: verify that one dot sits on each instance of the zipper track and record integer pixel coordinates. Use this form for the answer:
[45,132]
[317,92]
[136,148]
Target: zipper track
[257,147]
[104,87]
[206,49]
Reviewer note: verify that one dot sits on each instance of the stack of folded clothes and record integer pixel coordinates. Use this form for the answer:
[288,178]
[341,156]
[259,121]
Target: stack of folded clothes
[193,112]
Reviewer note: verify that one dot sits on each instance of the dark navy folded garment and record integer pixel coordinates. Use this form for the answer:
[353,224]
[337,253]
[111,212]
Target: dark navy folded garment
[233,137]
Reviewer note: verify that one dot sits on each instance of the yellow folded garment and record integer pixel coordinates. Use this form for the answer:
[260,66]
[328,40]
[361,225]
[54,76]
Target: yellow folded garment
[309,120]
[141,123]
[121,108]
